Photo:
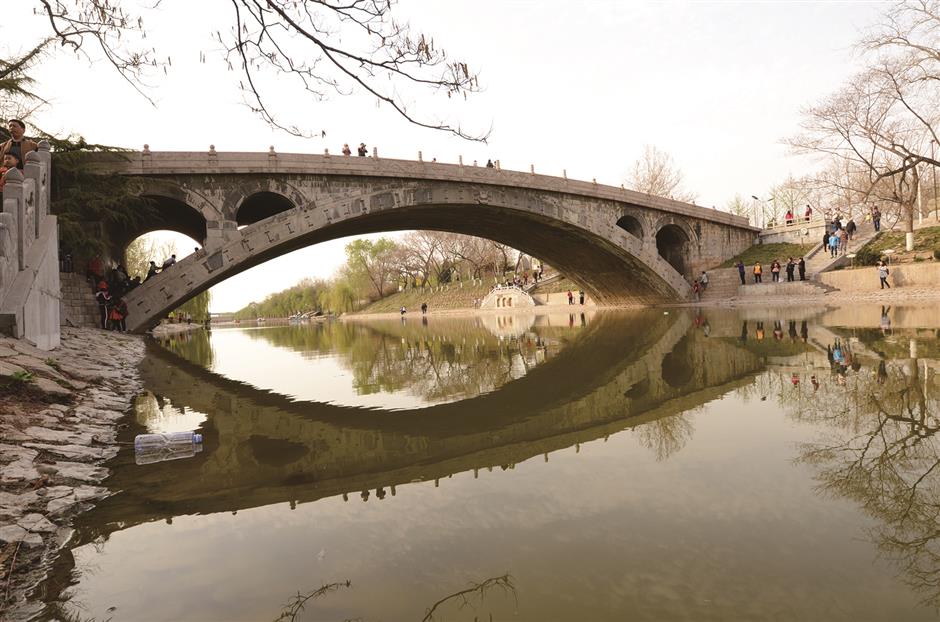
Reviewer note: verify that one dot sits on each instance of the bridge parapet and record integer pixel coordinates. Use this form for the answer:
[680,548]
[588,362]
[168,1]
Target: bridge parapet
[164,163]
[29,254]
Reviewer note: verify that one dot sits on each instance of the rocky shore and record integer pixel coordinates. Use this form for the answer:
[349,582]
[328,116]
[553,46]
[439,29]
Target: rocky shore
[59,414]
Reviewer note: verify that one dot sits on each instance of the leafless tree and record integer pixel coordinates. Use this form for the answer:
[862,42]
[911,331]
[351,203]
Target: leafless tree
[316,46]
[884,119]
[656,173]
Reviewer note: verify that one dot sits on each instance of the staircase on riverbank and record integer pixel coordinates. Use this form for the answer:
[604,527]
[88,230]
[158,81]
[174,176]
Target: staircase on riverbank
[77,304]
[818,259]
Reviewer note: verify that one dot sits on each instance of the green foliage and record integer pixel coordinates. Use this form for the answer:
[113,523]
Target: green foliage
[22,376]
[866,256]
[304,297]
[92,208]
[196,307]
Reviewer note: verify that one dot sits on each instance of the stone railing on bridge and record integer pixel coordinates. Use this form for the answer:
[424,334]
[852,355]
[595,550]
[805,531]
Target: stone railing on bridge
[29,254]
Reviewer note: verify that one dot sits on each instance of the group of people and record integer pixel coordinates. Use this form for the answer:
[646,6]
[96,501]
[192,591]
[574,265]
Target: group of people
[789,218]
[13,151]
[836,238]
[110,287]
[792,267]
[580,297]
[362,150]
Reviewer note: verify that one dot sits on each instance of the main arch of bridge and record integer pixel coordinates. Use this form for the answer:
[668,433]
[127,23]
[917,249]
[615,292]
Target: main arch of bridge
[622,247]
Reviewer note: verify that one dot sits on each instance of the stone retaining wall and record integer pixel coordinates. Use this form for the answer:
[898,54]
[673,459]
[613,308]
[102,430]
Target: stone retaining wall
[866,279]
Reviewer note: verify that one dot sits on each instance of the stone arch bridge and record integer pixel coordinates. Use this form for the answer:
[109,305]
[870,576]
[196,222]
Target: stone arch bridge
[621,246]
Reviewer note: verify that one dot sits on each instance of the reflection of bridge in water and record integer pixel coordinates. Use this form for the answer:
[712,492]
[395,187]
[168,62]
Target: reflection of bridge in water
[262,448]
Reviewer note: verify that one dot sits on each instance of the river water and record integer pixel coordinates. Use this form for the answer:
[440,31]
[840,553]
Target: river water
[683,465]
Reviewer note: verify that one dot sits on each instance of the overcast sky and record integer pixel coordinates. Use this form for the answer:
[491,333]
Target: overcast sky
[581,86]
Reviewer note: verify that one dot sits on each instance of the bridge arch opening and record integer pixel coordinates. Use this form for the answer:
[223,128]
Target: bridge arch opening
[631,225]
[165,214]
[672,243]
[156,246]
[261,205]
[677,366]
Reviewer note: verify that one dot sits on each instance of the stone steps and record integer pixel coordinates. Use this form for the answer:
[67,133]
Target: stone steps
[77,306]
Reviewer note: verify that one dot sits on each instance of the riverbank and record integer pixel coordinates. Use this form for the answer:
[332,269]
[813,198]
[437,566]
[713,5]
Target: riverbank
[59,414]
[893,296]
[168,329]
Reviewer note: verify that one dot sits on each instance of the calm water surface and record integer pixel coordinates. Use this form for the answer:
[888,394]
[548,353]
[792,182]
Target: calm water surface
[714,465]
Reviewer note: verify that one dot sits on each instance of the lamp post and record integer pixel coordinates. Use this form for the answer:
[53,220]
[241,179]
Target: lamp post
[762,221]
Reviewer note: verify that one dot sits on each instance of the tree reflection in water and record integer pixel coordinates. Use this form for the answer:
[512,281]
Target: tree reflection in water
[461,360]
[880,449]
[194,346]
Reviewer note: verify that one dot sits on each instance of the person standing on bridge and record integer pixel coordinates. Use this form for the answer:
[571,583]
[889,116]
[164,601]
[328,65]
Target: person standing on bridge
[346,150]
[169,262]
[151,271]
[808,215]
[362,150]
[18,144]
[740,267]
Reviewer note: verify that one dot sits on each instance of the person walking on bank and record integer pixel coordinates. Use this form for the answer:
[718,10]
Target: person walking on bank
[833,245]
[703,280]
[581,297]
[876,218]
[775,271]
[791,265]
[801,266]
[883,273]
[850,229]
[570,298]
[103,298]
[826,236]
[424,308]
[740,266]
[758,272]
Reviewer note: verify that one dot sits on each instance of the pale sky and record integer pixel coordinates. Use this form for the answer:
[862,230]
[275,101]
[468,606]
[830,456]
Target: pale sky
[581,86]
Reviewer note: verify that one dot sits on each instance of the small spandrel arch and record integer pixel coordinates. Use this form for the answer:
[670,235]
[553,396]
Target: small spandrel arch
[261,205]
[631,225]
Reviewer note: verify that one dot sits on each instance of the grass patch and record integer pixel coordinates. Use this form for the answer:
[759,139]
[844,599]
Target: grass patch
[450,296]
[926,239]
[766,253]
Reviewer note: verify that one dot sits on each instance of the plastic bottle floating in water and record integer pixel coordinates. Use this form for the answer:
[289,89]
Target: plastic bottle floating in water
[163,454]
[167,439]
[150,448]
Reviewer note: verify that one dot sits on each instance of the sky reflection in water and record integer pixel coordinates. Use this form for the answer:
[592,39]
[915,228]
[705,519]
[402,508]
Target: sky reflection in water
[650,466]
